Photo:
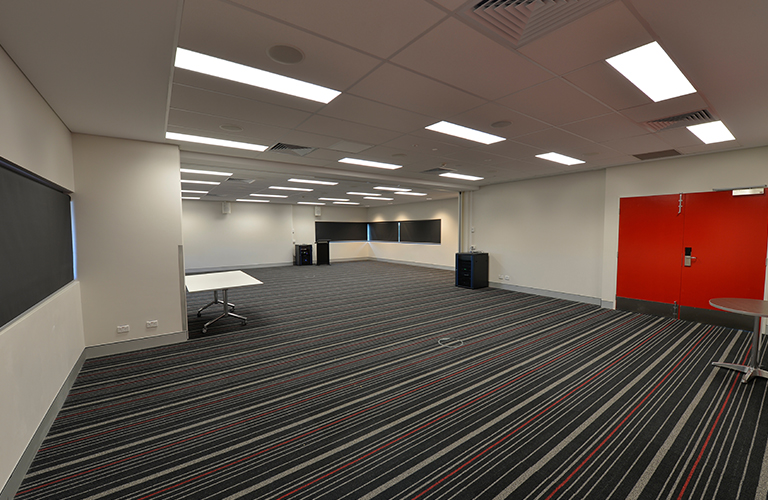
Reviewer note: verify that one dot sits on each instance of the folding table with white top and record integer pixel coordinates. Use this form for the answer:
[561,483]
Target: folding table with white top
[219,281]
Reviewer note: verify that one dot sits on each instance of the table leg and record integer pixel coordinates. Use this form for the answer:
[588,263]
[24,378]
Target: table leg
[214,301]
[226,312]
[753,369]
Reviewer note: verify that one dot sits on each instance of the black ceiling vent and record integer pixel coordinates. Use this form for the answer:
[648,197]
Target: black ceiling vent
[291,149]
[655,155]
[686,120]
[438,170]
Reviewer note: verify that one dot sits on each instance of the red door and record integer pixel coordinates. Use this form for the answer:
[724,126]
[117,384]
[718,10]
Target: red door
[725,236]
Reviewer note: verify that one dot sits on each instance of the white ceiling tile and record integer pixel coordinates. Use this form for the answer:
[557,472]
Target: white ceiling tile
[555,102]
[664,109]
[367,112]
[605,128]
[210,126]
[406,90]
[234,108]
[647,143]
[223,30]
[458,55]
[597,36]
[352,22]
[483,117]
[605,84]
[333,127]
[565,143]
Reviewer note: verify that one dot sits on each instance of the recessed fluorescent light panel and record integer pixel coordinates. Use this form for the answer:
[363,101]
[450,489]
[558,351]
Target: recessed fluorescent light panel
[385,188]
[311,181]
[252,201]
[345,203]
[411,193]
[712,132]
[464,132]
[193,191]
[333,199]
[463,177]
[310,203]
[228,70]
[214,142]
[651,70]
[285,188]
[366,163]
[190,197]
[269,195]
[358,193]
[558,158]
[205,172]
[377,198]
[188,181]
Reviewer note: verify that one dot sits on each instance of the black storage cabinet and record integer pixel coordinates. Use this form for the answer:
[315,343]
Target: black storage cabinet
[303,255]
[472,270]
[323,253]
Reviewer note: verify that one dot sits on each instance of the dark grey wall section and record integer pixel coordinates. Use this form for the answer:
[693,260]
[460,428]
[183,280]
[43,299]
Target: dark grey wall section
[35,240]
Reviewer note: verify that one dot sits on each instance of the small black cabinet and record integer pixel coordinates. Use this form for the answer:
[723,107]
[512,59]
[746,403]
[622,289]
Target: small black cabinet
[323,253]
[472,270]
[302,255]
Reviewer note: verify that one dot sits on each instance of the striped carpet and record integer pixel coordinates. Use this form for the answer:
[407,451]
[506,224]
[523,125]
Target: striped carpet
[367,380]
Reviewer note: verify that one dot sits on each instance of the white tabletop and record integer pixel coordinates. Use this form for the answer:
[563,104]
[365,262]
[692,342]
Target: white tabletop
[218,281]
[750,307]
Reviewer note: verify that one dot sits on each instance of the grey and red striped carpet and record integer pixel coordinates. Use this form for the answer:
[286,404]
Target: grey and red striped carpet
[376,380]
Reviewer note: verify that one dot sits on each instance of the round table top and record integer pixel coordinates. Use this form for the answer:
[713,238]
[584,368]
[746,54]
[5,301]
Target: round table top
[750,307]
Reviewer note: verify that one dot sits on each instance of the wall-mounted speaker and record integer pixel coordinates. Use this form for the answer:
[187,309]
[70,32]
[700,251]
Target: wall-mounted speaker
[318,212]
[226,208]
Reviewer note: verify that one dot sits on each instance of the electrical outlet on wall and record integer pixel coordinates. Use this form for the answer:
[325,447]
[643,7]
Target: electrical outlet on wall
[123,328]
[152,323]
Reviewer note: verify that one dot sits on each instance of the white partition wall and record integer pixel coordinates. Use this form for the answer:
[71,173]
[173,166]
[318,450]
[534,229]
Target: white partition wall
[40,349]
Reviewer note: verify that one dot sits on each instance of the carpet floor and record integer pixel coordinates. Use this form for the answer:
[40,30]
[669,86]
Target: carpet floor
[365,380]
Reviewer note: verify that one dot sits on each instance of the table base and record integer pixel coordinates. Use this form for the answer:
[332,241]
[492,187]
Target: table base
[748,371]
[227,311]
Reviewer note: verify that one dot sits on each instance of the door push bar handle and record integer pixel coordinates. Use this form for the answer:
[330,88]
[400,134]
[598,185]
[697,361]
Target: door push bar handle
[688,259]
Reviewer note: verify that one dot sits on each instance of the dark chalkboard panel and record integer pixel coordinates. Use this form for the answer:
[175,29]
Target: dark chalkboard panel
[420,231]
[36,257]
[341,231]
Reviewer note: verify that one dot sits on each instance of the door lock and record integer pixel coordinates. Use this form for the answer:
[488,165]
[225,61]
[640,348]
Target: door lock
[688,259]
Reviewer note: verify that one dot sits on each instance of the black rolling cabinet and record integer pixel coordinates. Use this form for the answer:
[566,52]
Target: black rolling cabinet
[472,270]
[302,255]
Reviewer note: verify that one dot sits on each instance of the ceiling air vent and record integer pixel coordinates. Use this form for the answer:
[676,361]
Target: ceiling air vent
[522,21]
[291,149]
[655,155]
[686,120]
[438,170]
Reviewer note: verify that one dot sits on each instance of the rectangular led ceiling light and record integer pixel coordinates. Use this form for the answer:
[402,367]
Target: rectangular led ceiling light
[366,163]
[358,193]
[188,181]
[310,203]
[284,188]
[380,198]
[712,132]
[228,70]
[193,191]
[411,193]
[269,195]
[333,199]
[190,197]
[385,188]
[558,158]
[464,132]
[312,181]
[463,177]
[214,142]
[651,70]
[252,201]
[345,203]
[205,172]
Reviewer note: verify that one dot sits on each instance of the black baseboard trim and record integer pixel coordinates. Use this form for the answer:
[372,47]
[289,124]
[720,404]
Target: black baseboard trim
[645,307]
[17,476]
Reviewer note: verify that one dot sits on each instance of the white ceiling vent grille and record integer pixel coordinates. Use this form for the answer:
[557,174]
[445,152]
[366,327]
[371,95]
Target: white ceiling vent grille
[522,21]
[686,120]
[291,149]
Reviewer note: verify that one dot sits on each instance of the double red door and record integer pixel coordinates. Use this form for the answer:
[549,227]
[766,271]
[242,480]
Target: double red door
[676,252]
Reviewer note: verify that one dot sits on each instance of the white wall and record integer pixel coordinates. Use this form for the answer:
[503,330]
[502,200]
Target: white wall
[442,255]
[128,223]
[545,234]
[691,174]
[39,349]
[258,234]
